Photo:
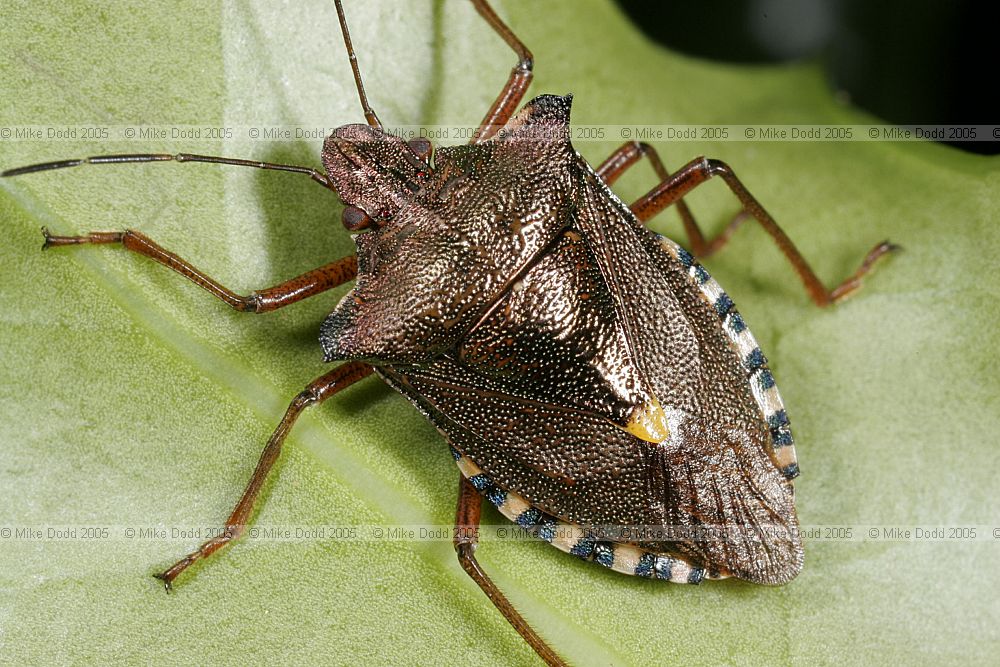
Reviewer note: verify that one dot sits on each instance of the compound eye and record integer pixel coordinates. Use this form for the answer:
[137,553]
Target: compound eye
[355,219]
[421,147]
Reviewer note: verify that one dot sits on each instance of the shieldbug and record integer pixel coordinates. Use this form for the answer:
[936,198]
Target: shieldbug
[523,225]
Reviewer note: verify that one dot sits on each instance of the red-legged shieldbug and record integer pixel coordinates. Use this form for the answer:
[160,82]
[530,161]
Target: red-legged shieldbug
[594,383]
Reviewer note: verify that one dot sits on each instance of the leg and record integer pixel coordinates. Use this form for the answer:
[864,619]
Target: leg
[505,104]
[317,176]
[466,539]
[301,287]
[520,77]
[315,392]
[630,153]
[700,170]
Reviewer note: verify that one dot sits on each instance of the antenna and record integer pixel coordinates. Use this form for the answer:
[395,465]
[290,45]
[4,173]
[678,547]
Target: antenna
[369,112]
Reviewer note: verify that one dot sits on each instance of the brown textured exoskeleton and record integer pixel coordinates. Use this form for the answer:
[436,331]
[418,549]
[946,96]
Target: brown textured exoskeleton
[587,373]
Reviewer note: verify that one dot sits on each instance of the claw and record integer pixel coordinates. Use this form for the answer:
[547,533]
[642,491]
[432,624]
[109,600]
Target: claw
[168,585]
[852,284]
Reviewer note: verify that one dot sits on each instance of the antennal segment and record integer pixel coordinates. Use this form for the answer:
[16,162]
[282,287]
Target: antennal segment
[316,175]
[369,112]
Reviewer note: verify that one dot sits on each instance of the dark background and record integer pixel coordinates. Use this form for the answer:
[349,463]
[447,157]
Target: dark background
[907,62]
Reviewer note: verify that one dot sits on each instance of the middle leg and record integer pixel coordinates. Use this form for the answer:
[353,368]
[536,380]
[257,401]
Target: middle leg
[630,153]
[702,169]
[315,393]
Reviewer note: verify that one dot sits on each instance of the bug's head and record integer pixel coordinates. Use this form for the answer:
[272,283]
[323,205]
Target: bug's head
[440,243]
[375,173]
[384,183]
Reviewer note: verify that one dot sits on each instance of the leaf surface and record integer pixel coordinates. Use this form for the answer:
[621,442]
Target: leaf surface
[133,400]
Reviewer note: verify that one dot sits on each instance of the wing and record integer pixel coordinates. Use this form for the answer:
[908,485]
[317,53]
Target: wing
[731,461]
[579,467]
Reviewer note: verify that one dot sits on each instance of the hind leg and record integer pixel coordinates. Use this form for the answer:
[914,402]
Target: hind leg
[466,540]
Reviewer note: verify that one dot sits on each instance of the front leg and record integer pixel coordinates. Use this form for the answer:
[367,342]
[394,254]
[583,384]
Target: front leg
[283,294]
[520,77]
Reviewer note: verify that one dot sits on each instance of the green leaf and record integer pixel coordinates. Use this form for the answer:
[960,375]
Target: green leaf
[133,400]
